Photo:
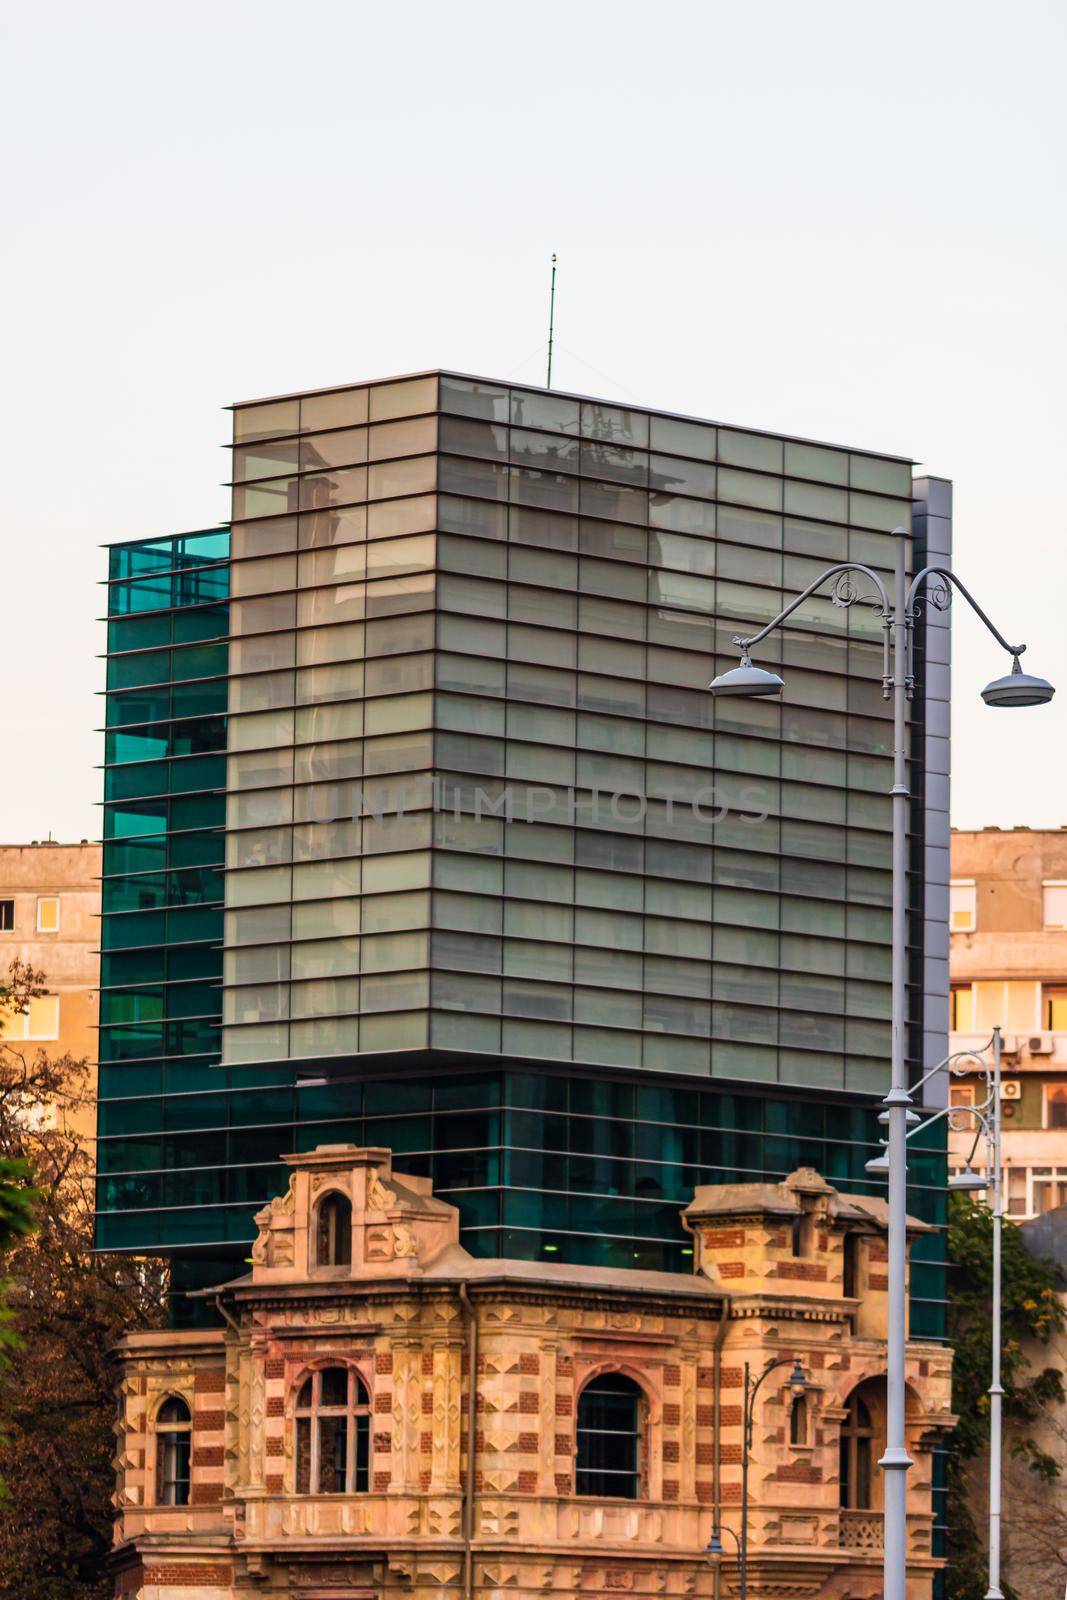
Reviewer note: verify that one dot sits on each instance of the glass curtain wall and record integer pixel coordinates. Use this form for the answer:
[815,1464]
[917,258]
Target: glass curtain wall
[442,599]
[480,798]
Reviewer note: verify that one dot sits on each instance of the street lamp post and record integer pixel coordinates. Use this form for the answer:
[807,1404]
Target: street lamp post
[986,1119]
[798,1382]
[1016,688]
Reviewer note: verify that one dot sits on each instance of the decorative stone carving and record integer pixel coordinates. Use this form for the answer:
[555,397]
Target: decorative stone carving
[379,1198]
[404,1241]
[379,1244]
[331,1574]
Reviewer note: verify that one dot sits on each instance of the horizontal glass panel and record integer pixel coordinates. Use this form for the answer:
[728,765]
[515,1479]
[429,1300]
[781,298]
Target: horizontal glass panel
[554,413]
[254,732]
[343,563]
[750,450]
[326,879]
[470,399]
[812,461]
[337,408]
[338,449]
[329,527]
[330,644]
[393,556]
[325,958]
[262,576]
[413,476]
[417,514]
[683,438]
[338,603]
[404,399]
[266,421]
[344,681]
[750,489]
[262,616]
[407,438]
[265,460]
[614,423]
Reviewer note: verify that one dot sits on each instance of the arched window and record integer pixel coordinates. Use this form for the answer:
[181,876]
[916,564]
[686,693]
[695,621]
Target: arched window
[857,1441]
[333,1433]
[798,1421]
[609,1438]
[173,1453]
[333,1236]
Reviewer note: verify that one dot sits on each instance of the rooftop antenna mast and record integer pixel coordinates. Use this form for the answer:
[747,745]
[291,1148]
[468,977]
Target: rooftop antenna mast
[551,320]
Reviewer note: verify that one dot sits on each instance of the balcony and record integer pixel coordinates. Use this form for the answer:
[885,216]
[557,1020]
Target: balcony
[860,1530]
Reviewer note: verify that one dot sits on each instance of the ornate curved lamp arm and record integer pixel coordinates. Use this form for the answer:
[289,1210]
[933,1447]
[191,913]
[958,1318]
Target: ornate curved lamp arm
[843,595]
[977,1112]
[975,1054]
[941,598]
[984,1124]
[982,1129]
[772,1366]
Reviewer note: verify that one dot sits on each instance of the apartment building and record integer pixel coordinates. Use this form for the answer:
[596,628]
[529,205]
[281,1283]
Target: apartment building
[1009,968]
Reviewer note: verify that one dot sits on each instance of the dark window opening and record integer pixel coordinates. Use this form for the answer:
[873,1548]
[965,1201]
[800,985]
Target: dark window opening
[798,1421]
[857,1443]
[1056,1106]
[801,1234]
[851,1250]
[334,1236]
[332,1443]
[7,915]
[609,1438]
[1054,996]
[173,1453]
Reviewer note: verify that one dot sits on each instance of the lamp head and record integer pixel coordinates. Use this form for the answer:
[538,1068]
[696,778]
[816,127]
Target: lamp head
[1018,688]
[910,1117]
[747,680]
[797,1378]
[878,1166]
[715,1544]
[968,1179]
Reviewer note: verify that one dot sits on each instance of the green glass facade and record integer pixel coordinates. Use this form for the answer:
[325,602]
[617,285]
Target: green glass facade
[560,978]
[162,892]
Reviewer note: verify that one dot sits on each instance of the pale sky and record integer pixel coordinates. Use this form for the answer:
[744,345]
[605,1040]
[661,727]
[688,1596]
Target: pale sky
[838,220]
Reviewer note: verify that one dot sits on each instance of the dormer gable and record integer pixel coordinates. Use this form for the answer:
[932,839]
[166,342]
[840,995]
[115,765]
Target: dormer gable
[799,1237]
[346,1215]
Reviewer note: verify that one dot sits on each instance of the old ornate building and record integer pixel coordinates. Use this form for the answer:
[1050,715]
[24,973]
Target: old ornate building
[316,1444]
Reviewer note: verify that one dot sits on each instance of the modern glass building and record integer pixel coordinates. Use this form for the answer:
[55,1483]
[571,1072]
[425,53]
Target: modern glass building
[423,830]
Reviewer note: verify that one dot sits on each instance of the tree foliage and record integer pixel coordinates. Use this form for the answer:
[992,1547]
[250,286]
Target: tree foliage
[66,1308]
[1032,1313]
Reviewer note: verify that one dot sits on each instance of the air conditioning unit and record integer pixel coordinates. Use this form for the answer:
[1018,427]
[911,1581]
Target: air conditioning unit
[1009,1044]
[1011,1089]
[1040,1044]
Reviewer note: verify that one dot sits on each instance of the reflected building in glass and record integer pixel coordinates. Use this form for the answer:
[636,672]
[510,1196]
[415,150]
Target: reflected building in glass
[423,830]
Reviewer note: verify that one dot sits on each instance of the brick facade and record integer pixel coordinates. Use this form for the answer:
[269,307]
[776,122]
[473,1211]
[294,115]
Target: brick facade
[401,1318]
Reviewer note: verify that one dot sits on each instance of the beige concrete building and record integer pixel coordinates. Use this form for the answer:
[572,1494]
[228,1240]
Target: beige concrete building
[50,917]
[1008,923]
[381,1414]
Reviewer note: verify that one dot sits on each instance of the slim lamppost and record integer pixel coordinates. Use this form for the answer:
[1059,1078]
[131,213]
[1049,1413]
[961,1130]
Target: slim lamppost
[1016,688]
[798,1382]
[986,1120]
